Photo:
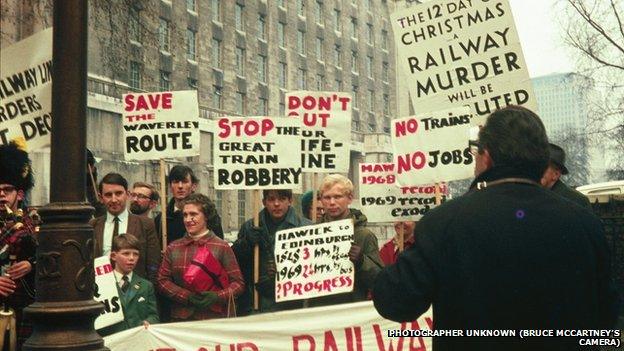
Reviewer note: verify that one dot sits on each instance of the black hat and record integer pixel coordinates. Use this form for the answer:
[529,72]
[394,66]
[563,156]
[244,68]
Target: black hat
[557,156]
[15,167]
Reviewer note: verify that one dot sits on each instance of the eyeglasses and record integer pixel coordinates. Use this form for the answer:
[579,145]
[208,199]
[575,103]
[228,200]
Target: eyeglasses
[139,196]
[7,189]
[474,146]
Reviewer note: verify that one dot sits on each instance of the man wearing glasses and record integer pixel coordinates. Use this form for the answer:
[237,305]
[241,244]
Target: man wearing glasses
[508,254]
[143,198]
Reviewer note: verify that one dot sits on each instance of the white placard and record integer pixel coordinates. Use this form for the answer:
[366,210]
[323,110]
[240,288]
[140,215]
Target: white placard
[161,125]
[26,90]
[107,293]
[313,261]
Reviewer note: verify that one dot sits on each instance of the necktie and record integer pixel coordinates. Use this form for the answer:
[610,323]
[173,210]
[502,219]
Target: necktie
[126,284]
[115,226]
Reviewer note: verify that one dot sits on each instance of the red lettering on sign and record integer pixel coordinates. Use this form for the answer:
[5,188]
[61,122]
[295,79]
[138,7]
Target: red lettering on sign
[304,337]
[147,101]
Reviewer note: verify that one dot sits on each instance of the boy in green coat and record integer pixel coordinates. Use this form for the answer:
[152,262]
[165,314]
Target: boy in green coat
[136,294]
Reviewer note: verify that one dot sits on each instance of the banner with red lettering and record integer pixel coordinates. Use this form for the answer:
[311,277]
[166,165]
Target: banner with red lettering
[26,90]
[345,327]
[456,52]
[257,153]
[326,134]
[383,200]
[106,293]
[432,147]
[160,125]
[313,261]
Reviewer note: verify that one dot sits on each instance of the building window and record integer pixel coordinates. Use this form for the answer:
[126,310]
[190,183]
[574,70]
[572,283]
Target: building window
[282,108]
[371,100]
[219,200]
[241,207]
[320,82]
[263,107]
[355,125]
[190,44]
[240,103]
[355,90]
[215,10]
[337,20]
[337,55]
[301,42]
[300,8]
[216,53]
[261,26]
[384,39]
[165,78]
[240,61]
[384,71]
[337,84]
[319,49]
[192,83]
[135,75]
[368,4]
[163,35]
[386,127]
[240,20]
[134,27]
[354,28]
[217,92]
[369,66]
[281,3]
[301,79]
[319,12]
[283,74]
[386,104]
[262,64]
[190,5]
[354,61]
[369,34]
[372,124]
[281,36]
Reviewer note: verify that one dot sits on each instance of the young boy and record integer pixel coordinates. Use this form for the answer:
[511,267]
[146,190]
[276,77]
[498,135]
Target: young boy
[136,294]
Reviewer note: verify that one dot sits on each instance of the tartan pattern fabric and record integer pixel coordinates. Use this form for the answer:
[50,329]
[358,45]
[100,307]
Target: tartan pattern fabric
[176,260]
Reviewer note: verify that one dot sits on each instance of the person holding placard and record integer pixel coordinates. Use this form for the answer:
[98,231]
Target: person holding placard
[389,252]
[199,273]
[113,190]
[336,195]
[136,294]
[143,198]
[182,183]
[551,178]
[278,214]
[508,254]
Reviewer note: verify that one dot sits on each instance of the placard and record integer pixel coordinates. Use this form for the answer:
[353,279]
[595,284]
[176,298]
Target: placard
[106,293]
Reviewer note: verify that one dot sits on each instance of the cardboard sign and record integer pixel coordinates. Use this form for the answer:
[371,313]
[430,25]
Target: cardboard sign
[256,153]
[313,261]
[432,147]
[161,125]
[26,90]
[326,133]
[462,52]
[106,293]
[382,200]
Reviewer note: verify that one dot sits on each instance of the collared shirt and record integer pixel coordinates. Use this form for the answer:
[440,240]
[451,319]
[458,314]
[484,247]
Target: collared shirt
[119,278]
[108,230]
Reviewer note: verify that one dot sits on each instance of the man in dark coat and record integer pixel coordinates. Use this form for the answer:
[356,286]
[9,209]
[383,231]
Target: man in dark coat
[551,178]
[509,254]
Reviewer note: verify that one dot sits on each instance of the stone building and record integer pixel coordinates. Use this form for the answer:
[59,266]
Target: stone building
[242,56]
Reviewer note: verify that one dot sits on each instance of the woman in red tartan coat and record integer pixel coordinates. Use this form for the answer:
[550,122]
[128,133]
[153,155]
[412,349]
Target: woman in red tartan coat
[207,292]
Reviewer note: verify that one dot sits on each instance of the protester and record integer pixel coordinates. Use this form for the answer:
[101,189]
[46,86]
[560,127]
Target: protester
[551,178]
[18,241]
[113,190]
[306,206]
[143,198]
[138,300]
[389,252]
[336,196]
[182,183]
[277,214]
[207,288]
[507,255]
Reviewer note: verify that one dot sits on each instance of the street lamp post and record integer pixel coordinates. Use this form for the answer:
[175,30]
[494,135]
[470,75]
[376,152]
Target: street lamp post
[64,310]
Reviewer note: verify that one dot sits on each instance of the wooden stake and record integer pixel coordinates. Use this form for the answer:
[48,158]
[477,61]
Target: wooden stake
[400,237]
[163,205]
[256,223]
[314,200]
[95,190]
[438,195]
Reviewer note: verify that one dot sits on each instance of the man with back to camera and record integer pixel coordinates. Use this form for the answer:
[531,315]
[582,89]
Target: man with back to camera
[508,254]
[551,178]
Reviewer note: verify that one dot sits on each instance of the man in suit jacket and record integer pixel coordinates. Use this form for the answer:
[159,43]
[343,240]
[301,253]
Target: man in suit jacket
[117,220]
[551,178]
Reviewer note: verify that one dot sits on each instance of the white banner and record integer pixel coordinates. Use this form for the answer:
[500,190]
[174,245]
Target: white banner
[26,90]
[106,293]
[257,153]
[345,327]
[458,52]
[432,147]
[161,125]
[313,261]
[326,134]
[383,200]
